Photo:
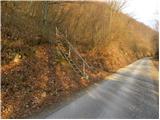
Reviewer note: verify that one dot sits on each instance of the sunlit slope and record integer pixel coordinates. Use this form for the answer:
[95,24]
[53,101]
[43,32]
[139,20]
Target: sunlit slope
[90,26]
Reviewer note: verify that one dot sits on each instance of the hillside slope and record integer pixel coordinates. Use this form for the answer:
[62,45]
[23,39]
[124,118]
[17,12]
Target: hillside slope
[35,75]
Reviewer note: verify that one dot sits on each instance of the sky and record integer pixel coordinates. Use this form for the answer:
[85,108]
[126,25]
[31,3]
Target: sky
[145,11]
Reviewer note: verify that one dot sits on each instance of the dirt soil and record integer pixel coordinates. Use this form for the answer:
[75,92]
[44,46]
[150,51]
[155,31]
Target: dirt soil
[29,84]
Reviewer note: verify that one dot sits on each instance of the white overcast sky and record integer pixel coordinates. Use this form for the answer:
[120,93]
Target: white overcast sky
[145,11]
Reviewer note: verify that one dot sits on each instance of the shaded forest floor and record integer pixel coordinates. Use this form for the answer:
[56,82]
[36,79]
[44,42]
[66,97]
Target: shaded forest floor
[33,77]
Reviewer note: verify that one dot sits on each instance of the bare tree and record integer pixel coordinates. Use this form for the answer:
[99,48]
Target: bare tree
[114,7]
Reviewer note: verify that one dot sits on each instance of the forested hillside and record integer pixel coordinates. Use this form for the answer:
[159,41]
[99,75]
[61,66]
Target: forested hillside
[35,75]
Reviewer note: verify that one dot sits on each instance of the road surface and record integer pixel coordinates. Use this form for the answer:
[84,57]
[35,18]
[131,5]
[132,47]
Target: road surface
[129,93]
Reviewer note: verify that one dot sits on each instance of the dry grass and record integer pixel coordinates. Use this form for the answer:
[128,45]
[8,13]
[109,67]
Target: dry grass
[156,64]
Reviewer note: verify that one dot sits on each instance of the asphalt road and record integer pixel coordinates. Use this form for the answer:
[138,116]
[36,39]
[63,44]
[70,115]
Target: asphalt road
[129,93]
